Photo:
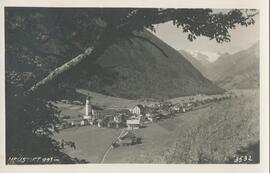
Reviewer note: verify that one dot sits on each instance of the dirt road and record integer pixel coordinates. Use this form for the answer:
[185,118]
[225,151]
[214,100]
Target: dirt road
[111,147]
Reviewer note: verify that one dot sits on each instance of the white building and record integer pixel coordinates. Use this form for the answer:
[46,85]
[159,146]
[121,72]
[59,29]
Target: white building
[82,123]
[138,110]
[176,108]
[134,124]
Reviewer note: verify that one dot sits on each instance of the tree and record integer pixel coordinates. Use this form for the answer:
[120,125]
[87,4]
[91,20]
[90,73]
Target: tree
[28,32]
[122,22]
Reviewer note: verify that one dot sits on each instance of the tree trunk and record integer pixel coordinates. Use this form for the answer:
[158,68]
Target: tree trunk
[60,70]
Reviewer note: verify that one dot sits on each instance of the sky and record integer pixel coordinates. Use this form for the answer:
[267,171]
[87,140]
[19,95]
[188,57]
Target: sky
[241,38]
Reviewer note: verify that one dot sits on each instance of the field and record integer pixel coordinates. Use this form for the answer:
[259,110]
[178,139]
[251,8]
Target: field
[105,101]
[218,133]
[91,142]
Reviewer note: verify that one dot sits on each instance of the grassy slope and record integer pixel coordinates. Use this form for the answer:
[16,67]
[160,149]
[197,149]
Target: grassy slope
[91,142]
[105,101]
[220,132]
[213,134]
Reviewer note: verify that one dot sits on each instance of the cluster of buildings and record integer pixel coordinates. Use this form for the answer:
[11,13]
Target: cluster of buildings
[132,118]
[135,117]
[113,118]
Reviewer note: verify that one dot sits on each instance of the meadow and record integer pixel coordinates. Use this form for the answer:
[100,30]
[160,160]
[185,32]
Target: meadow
[221,132]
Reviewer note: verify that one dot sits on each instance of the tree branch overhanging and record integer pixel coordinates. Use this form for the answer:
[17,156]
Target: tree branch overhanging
[149,41]
[58,71]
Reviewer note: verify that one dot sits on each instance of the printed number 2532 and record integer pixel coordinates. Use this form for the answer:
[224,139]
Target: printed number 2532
[243,159]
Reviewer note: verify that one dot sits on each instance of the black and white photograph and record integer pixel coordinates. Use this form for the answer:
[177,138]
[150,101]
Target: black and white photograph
[128,85]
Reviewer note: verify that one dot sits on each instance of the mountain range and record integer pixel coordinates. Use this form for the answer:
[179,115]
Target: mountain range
[239,70]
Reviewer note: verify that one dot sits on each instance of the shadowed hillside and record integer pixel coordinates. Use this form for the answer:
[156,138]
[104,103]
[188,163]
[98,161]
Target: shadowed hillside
[138,68]
[197,63]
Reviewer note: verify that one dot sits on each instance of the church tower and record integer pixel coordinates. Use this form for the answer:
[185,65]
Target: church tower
[88,108]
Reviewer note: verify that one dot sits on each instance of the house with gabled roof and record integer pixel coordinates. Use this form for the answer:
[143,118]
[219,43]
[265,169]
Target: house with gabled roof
[138,110]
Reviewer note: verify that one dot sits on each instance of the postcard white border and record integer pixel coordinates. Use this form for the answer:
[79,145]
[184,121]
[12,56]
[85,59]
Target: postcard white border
[262,5]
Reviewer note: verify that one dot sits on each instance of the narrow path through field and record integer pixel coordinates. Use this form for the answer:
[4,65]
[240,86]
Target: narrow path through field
[110,147]
[221,127]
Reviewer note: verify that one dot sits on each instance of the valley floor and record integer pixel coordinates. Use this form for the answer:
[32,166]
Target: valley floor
[219,133]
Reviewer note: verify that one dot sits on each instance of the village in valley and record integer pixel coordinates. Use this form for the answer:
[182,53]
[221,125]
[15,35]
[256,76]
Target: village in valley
[86,114]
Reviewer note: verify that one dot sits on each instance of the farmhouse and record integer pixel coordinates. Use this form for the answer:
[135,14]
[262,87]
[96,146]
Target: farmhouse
[176,108]
[119,120]
[127,138]
[133,124]
[187,107]
[138,110]
[100,114]
[152,117]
